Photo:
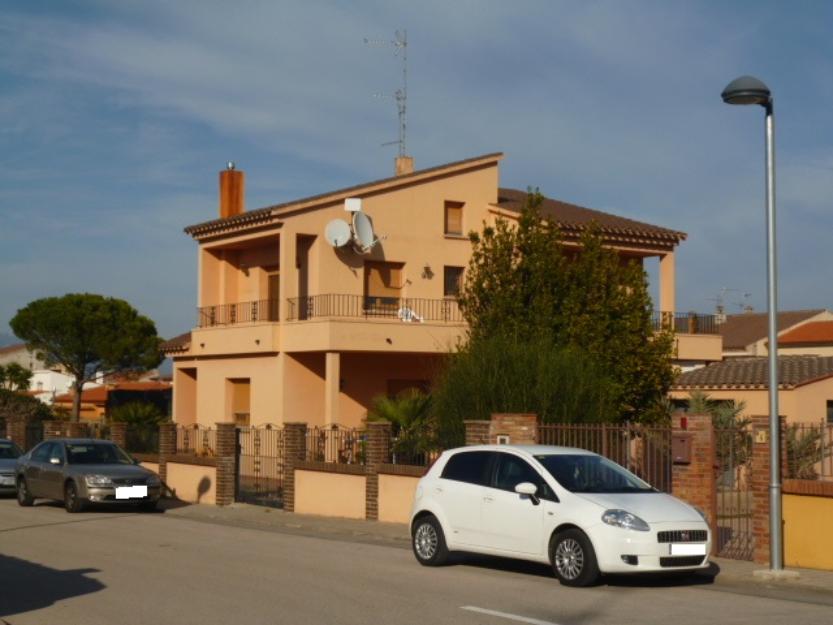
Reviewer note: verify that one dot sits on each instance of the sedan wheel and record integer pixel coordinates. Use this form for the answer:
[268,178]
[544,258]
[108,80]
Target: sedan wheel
[573,559]
[428,542]
[24,498]
[72,502]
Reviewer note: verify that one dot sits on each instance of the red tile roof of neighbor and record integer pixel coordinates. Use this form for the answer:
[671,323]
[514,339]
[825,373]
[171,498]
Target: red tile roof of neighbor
[98,394]
[738,331]
[753,373]
[10,349]
[810,333]
[178,343]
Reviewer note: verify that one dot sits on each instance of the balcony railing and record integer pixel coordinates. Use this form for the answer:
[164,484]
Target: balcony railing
[685,323]
[241,312]
[406,309]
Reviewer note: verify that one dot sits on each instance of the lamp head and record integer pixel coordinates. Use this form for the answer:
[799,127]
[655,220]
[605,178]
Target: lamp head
[747,90]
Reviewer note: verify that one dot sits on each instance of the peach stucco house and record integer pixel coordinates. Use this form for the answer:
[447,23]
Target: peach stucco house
[293,328]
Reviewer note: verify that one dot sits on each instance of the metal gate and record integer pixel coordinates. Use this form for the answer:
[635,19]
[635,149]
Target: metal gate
[734,493]
[260,455]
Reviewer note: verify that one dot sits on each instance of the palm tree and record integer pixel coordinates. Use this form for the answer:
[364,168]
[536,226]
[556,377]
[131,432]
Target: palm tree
[410,414]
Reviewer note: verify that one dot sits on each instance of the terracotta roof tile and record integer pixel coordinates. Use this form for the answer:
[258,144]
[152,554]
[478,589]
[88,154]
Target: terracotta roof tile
[753,373]
[572,218]
[178,343]
[810,333]
[10,349]
[738,331]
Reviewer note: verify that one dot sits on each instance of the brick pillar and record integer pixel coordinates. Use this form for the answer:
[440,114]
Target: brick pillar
[118,434]
[16,431]
[521,428]
[167,447]
[695,481]
[760,485]
[477,432]
[53,429]
[76,430]
[377,451]
[295,450]
[226,463]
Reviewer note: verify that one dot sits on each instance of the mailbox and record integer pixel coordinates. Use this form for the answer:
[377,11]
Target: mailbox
[681,448]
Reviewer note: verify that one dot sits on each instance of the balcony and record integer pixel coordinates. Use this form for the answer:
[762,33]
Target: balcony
[685,323]
[264,310]
[406,309]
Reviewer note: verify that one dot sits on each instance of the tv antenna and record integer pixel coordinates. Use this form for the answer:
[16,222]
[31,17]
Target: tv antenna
[400,96]
[720,301]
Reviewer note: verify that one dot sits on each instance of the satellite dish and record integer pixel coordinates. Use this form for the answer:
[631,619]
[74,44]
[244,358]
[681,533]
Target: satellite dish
[338,233]
[363,236]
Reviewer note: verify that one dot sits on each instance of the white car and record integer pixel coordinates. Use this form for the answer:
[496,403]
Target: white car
[578,511]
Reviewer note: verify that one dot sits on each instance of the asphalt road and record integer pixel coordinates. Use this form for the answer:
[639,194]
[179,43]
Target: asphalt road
[116,568]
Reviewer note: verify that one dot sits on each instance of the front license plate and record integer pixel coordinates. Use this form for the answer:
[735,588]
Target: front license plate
[131,492]
[688,549]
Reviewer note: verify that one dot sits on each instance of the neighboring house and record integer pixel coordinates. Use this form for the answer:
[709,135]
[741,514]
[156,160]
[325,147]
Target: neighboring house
[805,385]
[47,384]
[302,318]
[746,334]
[19,354]
[98,402]
[811,338]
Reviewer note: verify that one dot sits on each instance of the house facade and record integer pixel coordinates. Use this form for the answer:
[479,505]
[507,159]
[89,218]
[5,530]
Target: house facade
[307,311]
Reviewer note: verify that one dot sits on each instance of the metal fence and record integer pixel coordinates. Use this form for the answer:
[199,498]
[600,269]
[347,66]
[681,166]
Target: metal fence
[733,456]
[260,465]
[686,323]
[197,440]
[406,309]
[142,439]
[644,451]
[335,443]
[240,312]
[809,449]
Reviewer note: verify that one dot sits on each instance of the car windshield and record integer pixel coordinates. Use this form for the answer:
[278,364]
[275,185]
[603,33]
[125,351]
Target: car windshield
[9,451]
[96,453]
[584,473]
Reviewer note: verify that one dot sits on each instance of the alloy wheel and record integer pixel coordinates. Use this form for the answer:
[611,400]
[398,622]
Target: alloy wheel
[425,541]
[569,558]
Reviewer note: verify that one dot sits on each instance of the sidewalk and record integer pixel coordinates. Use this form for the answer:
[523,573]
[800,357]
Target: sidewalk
[732,573]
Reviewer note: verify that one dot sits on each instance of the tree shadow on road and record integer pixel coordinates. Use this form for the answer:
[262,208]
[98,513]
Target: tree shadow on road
[28,586]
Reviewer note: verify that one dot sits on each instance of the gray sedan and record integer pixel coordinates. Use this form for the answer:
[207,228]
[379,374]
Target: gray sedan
[9,453]
[80,471]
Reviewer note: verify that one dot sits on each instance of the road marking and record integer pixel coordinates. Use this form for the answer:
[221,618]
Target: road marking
[507,615]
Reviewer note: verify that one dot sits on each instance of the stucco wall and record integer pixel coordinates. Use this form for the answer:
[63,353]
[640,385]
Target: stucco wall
[330,494]
[396,497]
[808,541]
[151,466]
[192,483]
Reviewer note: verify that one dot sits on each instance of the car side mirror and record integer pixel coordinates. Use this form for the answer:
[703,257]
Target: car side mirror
[56,461]
[529,489]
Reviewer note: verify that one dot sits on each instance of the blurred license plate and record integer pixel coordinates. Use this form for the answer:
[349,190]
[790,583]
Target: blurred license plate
[688,549]
[131,492]
[6,481]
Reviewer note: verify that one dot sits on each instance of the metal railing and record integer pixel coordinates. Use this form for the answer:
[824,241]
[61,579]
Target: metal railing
[334,443]
[197,440]
[644,451]
[685,323]
[809,449]
[733,457]
[263,310]
[405,309]
[142,439]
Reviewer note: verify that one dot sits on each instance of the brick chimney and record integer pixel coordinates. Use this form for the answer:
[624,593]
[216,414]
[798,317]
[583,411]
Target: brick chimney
[404,165]
[232,191]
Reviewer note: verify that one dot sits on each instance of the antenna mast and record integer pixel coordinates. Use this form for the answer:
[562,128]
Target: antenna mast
[400,48]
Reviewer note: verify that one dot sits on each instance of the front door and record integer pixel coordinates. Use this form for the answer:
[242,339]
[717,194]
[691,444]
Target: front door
[52,475]
[34,469]
[513,522]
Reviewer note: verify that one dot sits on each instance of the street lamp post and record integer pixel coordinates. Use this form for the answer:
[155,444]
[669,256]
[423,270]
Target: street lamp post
[749,90]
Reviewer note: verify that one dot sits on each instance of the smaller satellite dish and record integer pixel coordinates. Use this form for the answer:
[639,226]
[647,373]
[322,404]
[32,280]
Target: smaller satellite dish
[363,233]
[353,204]
[337,233]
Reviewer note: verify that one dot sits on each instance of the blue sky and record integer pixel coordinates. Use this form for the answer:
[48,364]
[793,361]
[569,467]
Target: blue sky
[115,118]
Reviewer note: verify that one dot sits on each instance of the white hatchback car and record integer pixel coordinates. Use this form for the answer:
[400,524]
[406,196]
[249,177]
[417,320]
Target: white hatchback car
[578,511]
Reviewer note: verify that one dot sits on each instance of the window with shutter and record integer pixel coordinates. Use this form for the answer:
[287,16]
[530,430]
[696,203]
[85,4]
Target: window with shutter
[454,218]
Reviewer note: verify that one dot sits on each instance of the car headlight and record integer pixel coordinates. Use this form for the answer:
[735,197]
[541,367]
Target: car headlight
[98,480]
[153,481]
[625,520]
